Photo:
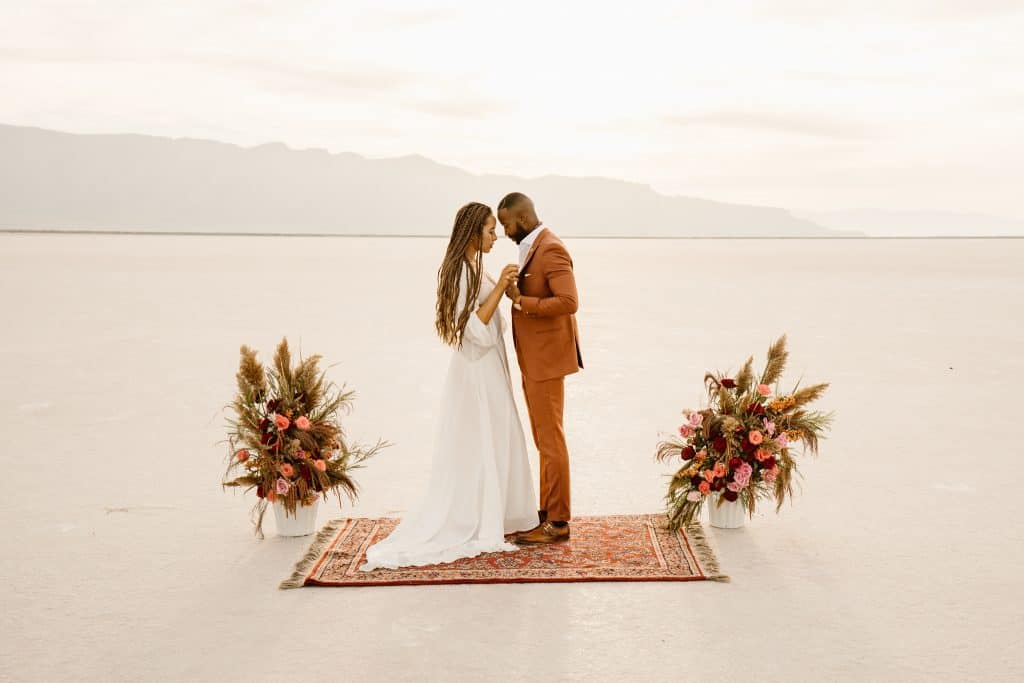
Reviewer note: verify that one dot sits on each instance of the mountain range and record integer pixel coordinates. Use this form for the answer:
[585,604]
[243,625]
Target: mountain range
[51,180]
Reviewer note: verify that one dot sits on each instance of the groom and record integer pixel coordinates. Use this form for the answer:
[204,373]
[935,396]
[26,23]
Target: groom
[546,338]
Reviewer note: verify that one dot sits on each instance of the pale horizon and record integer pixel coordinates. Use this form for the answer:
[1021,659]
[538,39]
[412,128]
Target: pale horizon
[906,106]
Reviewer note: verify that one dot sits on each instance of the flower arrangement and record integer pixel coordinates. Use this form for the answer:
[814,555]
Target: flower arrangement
[286,439]
[740,445]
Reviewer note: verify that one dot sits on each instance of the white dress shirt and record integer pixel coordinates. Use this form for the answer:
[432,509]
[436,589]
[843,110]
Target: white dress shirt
[524,246]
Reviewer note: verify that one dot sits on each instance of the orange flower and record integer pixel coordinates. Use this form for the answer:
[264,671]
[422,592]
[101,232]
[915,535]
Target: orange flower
[287,470]
[320,465]
[704,487]
[281,421]
[755,437]
[709,475]
[302,422]
[242,455]
[720,469]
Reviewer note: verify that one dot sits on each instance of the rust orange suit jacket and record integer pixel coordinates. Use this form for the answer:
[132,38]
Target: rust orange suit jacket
[545,333]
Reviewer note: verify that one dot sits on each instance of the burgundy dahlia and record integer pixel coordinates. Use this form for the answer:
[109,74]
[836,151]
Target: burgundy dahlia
[719,444]
[728,383]
[688,453]
[730,495]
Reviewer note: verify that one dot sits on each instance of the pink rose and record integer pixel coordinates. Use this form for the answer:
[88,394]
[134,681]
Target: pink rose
[764,390]
[281,421]
[302,422]
[282,486]
[693,496]
[742,475]
[696,419]
[769,426]
[770,475]
[320,465]
[686,431]
[755,437]
[733,486]
[782,440]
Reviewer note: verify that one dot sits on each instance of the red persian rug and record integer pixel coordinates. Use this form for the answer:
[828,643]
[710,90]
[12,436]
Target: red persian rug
[601,548]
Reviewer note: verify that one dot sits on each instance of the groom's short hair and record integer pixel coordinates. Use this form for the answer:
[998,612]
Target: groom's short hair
[512,200]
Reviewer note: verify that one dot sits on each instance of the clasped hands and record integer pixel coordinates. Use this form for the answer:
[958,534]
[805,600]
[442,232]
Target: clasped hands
[509,279]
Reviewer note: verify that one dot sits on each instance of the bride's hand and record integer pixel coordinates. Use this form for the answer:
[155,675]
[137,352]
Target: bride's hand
[509,274]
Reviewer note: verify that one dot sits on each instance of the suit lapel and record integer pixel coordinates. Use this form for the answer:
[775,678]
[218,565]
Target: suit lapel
[533,248]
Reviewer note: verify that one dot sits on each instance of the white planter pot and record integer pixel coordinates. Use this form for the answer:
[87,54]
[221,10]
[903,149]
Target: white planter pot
[730,515]
[302,524]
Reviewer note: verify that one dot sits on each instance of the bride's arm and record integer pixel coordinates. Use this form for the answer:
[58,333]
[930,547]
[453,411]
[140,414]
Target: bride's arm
[490,304]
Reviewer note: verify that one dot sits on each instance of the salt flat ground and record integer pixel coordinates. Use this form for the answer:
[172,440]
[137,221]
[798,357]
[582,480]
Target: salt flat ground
[124,560]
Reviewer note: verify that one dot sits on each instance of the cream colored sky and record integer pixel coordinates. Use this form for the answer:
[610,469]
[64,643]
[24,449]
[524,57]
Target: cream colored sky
[808,105]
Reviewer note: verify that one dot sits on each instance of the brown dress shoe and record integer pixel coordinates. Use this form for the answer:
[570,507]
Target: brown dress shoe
[541,514]
[545,533]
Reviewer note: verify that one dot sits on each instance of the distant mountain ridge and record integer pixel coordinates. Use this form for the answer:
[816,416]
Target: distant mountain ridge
[131,182]
[903,223]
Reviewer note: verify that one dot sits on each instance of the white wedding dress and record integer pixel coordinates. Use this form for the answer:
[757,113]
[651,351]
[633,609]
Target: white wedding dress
[480,485]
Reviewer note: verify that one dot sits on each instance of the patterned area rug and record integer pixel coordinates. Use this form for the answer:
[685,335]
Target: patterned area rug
[602,548]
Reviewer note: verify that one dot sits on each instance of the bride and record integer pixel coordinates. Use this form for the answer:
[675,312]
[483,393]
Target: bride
[480,485]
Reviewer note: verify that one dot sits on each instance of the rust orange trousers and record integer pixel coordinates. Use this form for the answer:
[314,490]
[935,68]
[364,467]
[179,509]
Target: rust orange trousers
[544,402]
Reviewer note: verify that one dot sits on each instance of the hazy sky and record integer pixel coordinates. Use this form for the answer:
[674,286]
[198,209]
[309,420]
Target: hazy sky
[809,105]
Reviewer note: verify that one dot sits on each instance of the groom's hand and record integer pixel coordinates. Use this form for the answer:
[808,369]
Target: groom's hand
[512,292]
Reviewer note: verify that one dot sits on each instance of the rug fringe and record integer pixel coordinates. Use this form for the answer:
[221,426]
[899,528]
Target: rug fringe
[316,549]
[705,554]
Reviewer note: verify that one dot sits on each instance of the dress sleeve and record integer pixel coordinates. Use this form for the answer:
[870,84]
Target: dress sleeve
[478,338]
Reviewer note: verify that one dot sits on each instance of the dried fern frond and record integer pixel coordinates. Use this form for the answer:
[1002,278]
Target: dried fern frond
[745,376]
[250,376]
[809,394]
[668,449]
[283,368]
[776,363]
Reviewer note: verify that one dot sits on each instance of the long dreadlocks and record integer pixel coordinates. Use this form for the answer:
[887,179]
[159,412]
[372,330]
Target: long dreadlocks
[468,229]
